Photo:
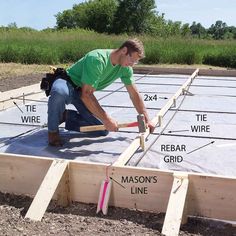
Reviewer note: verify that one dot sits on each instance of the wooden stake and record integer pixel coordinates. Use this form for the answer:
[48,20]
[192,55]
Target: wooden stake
[175,209]
[160,118]
[63,189]
[142,142]
[46,190]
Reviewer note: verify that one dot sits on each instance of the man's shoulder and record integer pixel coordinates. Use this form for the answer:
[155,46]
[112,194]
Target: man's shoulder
[99,53]
[127,70]
[98,56]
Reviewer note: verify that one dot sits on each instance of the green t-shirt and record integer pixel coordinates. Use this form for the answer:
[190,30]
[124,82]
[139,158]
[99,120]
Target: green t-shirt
[96,69]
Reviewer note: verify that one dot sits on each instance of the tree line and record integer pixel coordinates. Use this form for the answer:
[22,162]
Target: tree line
[135,17]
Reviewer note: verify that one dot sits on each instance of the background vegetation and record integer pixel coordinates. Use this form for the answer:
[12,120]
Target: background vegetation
[65,46]
[107,23]
[135,16]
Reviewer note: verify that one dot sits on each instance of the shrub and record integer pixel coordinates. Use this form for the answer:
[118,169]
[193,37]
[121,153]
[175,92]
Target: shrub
[9,54]
[222,59]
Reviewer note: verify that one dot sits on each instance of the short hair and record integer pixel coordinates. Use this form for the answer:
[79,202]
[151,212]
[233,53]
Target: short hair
[134,45]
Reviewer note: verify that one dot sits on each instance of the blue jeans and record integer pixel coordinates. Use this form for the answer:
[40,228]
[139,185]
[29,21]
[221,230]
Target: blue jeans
[62,94]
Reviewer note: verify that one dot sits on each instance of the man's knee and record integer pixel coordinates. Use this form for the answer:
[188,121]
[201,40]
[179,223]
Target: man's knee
[57,99]
[60,88]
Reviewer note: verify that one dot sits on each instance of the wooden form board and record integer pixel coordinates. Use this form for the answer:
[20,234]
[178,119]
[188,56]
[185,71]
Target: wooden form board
[213,197]
[88,180]
[183,71]
[208,195]
[22,175]
[132,148]
[31,92]
[172,100]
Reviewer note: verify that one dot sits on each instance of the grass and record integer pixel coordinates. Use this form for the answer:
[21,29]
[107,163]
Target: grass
[55,47]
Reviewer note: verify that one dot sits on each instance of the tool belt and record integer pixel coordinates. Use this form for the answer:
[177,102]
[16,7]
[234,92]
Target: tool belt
[49,79]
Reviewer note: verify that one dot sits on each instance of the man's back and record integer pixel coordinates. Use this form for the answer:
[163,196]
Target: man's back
[96,69]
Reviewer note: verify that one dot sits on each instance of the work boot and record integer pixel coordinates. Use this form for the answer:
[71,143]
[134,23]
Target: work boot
[54,139]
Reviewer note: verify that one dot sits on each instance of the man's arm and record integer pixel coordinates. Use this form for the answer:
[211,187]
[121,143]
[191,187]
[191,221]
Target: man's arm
[139,104]
[95,108]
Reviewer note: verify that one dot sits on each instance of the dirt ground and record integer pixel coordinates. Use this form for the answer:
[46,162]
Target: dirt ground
[9,83]
[81,219]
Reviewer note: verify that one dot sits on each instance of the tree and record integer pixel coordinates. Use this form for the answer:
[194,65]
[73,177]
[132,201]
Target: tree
[197,30]
[133,16]
[218,30]
[185,30]
[173,28]
[96,15]
[100,15]
[12,25]
[157,25]
[66,19]
[232,31]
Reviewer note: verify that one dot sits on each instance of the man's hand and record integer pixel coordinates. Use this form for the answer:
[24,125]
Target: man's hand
[139,105]
[151,125]
[110,124]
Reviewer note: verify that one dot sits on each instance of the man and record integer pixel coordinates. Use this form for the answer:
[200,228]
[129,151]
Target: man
[95,71]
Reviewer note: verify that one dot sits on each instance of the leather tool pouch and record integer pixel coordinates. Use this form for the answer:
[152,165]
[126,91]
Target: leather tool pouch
[48,80]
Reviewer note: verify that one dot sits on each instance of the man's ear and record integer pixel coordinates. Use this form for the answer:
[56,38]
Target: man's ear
[124,50]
